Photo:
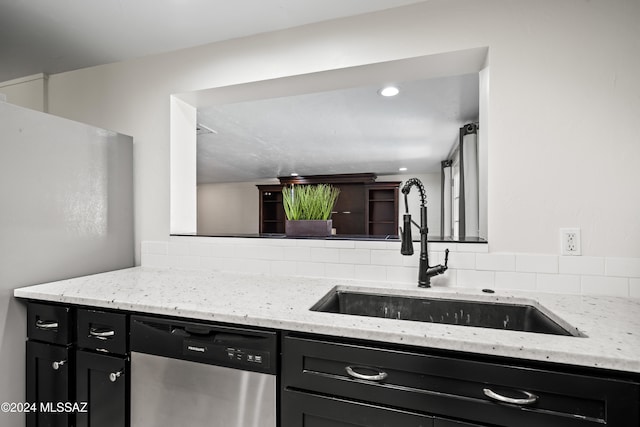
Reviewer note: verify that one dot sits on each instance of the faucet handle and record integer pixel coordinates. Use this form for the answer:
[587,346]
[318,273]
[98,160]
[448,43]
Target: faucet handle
[446,257]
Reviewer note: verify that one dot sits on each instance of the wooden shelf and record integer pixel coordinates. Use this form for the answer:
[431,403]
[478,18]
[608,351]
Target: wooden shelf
[364,207]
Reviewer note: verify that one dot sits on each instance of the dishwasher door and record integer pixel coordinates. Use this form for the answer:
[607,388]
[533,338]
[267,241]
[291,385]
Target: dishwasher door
[175,392]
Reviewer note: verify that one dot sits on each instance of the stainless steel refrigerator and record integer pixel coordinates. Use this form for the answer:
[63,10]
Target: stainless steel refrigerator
[66,210]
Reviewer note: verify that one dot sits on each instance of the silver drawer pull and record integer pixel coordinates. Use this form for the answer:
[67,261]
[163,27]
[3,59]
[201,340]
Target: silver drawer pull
[57,364]
[101,334]
[531,398]
[351,370]
[113,376]
[46,325]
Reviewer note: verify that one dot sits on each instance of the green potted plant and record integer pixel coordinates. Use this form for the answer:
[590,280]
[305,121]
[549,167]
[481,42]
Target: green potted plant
[308,209]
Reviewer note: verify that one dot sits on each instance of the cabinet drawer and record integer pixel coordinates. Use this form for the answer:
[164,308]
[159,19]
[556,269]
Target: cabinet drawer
[50,323]
[456,387]
[308,410]
[103,331]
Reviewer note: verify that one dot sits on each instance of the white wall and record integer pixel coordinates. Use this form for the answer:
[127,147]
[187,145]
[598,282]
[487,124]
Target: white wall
[182,166]
[229,208]
[28,92]
[563,102]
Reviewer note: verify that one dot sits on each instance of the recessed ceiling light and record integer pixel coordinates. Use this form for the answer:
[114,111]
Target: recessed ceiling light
[294,174]
[402,169]
[389,91]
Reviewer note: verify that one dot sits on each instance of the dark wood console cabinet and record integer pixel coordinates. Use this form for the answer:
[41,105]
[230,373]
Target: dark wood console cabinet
[364,208]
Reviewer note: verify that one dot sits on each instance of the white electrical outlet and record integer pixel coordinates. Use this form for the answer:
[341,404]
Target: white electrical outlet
[570,241]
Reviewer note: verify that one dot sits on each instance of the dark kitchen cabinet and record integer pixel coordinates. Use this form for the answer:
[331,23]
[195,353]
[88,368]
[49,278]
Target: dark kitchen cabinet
[364,207]
[48,384]
[307,410]
[77,367]
[414,382]
[49,365]
[101,382]
[102,368]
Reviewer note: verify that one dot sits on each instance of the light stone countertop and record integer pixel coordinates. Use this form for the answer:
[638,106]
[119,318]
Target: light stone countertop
[611,325]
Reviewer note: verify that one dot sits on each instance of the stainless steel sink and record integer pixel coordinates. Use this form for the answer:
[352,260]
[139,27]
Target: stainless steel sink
[483,314]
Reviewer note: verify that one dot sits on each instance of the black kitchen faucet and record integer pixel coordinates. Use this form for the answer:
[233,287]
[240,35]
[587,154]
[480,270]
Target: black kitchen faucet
[425,271]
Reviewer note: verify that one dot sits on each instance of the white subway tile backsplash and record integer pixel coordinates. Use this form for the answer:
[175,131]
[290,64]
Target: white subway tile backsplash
[386,257]
[155,248]
[393,246]
[441,246]
[402,274]
[476,279]
[310,243]
[526,263]
[496,262]
[311,269]
[377,273]
[213,263]
[558,283]
[481,248]
[250,265]
[634,288]
[622,267]
[347,244]
[512,280]
[200,249]
[297,253]
[179,248]
[185,262]
[462,260]
[448,279]
[601,285]
[269,253]
[283,268]
[154,260]
[355,256]
[365,244]
[414,260]
[222,251]
[583,265]
[340,271]
[325,255]
[470,265]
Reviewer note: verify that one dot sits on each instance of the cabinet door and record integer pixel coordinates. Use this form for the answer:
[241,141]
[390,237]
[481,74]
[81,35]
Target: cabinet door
[101,382]
[301,409]
[48,368]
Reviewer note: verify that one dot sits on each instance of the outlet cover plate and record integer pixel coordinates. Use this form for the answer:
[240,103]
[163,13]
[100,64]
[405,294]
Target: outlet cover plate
[570,243]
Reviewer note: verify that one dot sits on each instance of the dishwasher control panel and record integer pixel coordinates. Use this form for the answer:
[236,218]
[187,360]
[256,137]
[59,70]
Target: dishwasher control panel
[242,355]
[230,346]
[229,356]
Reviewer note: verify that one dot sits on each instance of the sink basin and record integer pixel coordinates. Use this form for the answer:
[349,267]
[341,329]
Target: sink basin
[483,314]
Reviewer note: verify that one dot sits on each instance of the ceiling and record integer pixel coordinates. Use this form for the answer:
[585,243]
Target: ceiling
[53,36]
[352,130]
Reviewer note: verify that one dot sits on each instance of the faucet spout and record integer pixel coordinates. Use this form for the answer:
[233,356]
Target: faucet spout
[425,271]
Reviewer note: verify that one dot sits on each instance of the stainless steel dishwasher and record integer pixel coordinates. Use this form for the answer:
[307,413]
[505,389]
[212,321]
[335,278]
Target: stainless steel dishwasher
[198,374]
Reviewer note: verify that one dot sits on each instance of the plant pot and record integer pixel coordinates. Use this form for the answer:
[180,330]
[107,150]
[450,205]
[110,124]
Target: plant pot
[308,228]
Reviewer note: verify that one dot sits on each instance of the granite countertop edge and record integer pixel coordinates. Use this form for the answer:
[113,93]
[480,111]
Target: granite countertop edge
[611,325]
